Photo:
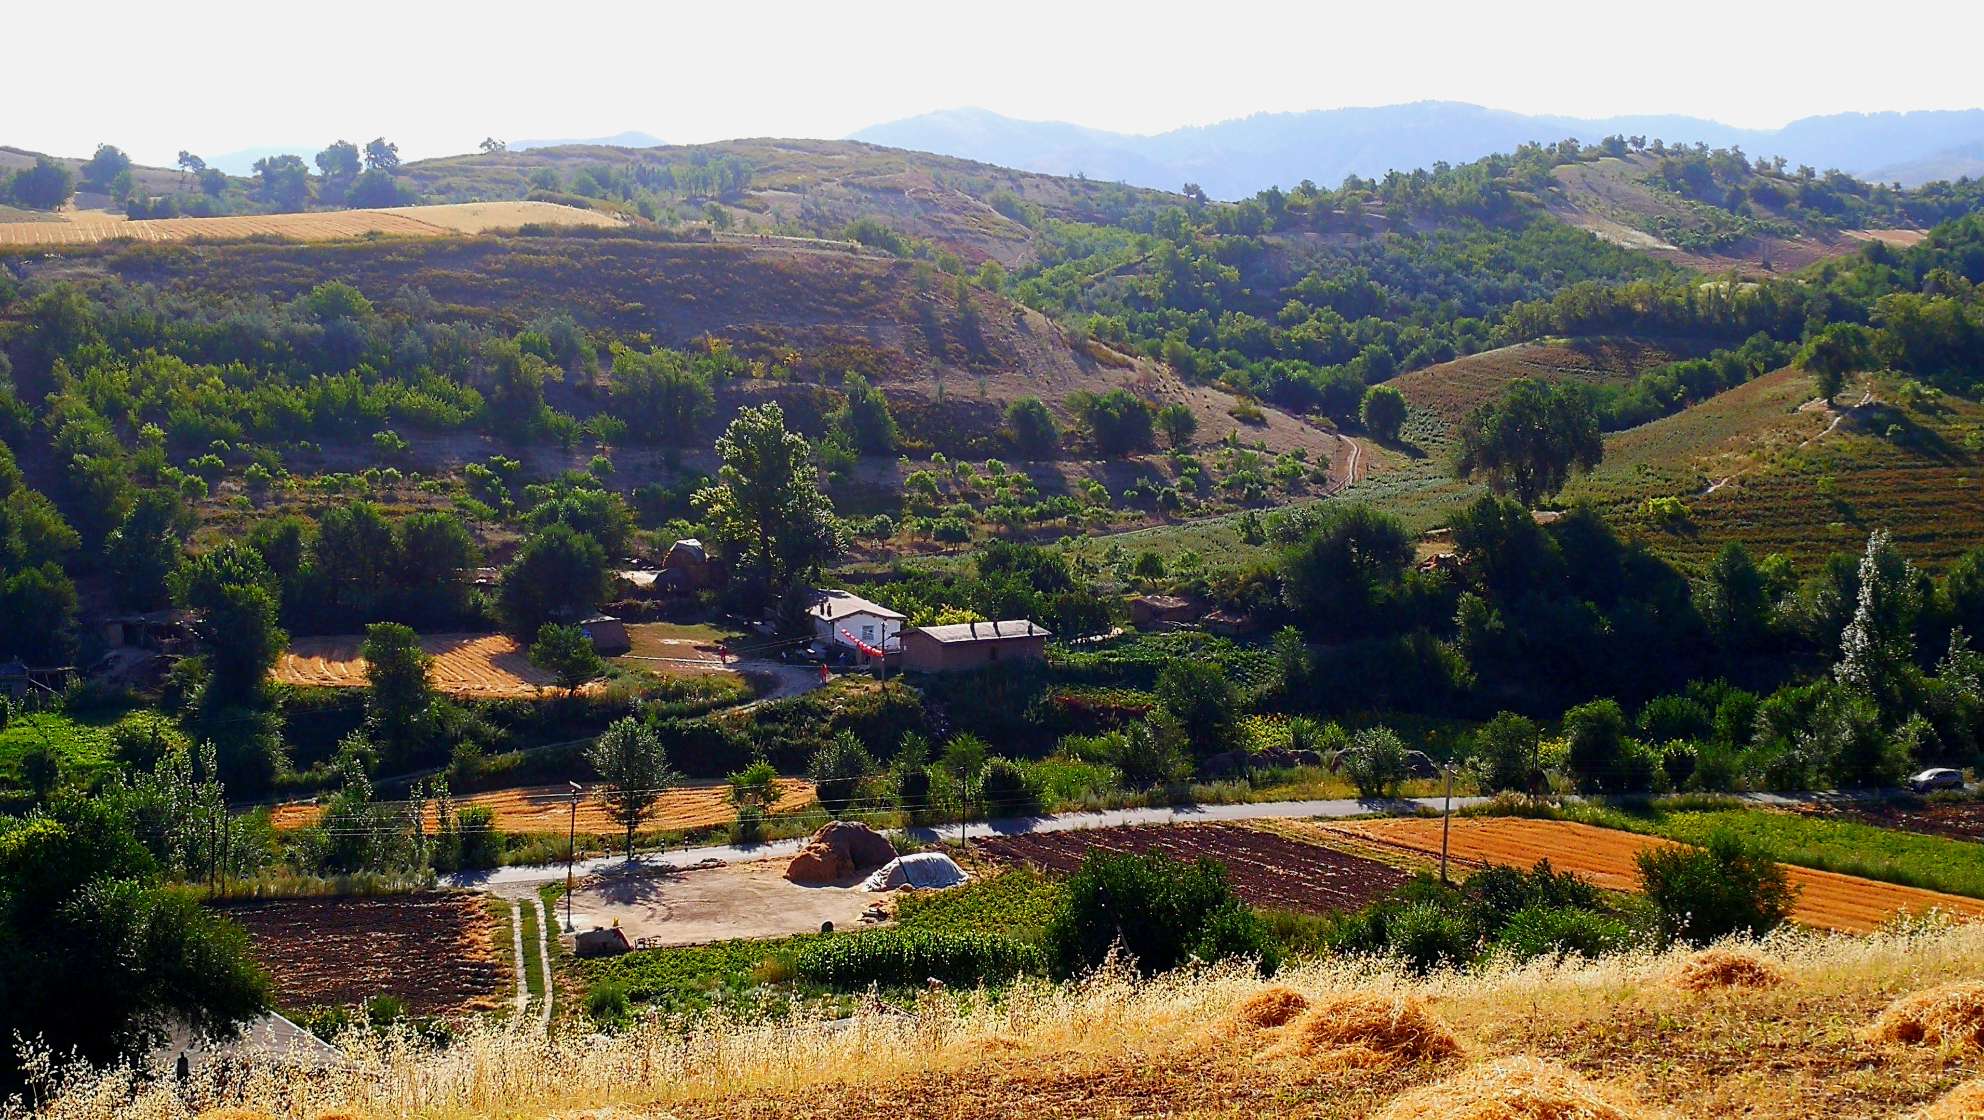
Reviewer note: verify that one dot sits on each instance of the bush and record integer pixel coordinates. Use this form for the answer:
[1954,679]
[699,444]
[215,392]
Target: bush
[895,958]
[1005,792]
[1563,931]
[607,1004]
[1725,887]
[1162,912]
[838,770]
[1598,757]
[1375,762]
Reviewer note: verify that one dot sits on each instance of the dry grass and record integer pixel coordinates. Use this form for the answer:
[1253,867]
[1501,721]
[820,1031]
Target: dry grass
[1517,1088]
[549,809]
[1725,966]
[333,225]
[1118,1046]
[1361,1029]
[1965,1102]
[1951,1015]
[481,666]
[1268,1008]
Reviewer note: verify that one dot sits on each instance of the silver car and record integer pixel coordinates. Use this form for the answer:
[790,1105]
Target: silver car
[1940,777]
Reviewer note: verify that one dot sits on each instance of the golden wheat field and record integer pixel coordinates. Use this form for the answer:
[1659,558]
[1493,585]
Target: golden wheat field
[444,220]
[482,666]
[1883,1026]
[549,808]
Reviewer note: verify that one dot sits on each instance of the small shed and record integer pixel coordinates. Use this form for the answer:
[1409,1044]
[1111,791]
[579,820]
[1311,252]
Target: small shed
[687,566]
[1147,611]
[608,634]
[608,942]
[972,645]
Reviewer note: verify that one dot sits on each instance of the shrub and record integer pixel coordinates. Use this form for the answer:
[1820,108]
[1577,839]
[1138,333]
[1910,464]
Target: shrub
[1375,762]
[1162,912]
[607,1004]
[1701,894]
[838,770]
[1005,792]
[1562,931]
[1427,936]
[894,958]
[1597,758]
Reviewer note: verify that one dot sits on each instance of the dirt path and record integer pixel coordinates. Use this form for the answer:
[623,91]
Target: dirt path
[1608,857]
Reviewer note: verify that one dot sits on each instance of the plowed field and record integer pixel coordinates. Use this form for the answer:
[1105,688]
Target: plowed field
[1265,869]
[1826,899]
[434,950]
[335,225]
[548,808]
[481,666]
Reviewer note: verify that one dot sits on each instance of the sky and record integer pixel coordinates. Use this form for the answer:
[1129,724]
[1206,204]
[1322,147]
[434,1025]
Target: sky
[223,76]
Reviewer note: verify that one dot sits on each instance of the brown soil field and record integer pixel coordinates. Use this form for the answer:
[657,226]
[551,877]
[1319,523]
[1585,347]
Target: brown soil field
[482,666]
[435,950]
[548,808]
[86,227]
[1266,869]
[1958,820]
[1826,899]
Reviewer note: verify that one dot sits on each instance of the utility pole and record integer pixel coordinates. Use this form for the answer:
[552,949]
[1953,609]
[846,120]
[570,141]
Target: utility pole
[571,852]
[1446,820]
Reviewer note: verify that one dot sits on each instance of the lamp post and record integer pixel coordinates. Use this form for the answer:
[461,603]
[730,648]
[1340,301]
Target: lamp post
[571,852]
[1446,819]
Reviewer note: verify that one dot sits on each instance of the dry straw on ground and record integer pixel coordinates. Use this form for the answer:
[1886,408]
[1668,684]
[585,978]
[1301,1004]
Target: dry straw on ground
[1518,1088]
[1725,967]
[1361,1029]
[1965,1102]
[1268,1008]
[1950,1015]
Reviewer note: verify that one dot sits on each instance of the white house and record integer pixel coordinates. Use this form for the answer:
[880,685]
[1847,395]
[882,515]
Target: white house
[841,618]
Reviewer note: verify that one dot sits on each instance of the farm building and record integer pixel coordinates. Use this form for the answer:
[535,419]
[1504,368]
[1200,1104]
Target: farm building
[687,567]
[608,634]
[1147,611]
[971,645]
[842,618]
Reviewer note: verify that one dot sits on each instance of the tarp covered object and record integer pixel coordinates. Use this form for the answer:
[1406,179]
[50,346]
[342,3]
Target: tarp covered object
[929,870]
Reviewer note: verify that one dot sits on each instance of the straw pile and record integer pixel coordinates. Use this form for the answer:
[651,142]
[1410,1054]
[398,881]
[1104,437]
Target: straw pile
[1952,1015]
[1965,1102]
[1517,1088]
[1364,1030]
[1726,968]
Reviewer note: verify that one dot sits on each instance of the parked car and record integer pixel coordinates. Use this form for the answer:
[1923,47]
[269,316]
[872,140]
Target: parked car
[1935,778]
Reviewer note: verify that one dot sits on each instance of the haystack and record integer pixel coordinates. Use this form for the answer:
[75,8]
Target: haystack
[1518,1088]
[1267,1009]
[838,851]
[1363,1029]
[1952,1015]
[1726,968]
[1965,1102]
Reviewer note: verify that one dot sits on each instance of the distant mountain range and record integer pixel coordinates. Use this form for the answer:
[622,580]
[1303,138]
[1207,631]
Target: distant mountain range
[1237,158]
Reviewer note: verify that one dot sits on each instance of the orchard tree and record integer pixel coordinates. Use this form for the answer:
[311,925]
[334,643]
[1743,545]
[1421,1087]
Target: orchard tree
[1383,412]
[1034,431]
[1528,443]
[567,654]
[1835,352]
[633,770]
[766,510]
[558,571]
[399,698]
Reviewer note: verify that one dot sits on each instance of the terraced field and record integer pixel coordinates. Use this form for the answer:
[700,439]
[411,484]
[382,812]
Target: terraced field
[88,227]
[1826,900]
[481,666]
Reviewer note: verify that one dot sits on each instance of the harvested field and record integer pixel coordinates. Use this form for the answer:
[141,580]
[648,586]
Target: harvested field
[1826,900]
[1266,869]
[479,666]
[1958,820]
[435,950]
[548,808]
[83,228]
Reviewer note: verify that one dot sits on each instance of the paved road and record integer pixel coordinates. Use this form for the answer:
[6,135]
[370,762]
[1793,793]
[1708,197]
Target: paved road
[509,880]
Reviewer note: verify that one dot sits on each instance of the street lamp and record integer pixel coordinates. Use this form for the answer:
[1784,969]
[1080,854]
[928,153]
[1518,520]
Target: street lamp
[571,852]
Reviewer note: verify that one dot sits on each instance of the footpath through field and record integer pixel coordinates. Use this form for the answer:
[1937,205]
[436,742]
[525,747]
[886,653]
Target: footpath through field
[1609,858]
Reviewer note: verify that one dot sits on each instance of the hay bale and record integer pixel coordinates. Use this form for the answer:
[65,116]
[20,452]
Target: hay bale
[232,1114]
[839,850]
[1268,1008]
[1951,1015]
[1363,1029]
[1519,1088]
[1965,1102]
[1726,968]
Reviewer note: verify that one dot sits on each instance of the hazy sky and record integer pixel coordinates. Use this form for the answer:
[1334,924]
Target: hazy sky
[215,77]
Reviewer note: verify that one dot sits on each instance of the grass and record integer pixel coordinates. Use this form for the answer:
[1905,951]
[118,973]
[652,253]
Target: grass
[534,974]
[81,740]
[1911,859]
[1115,1045]
[1018,903]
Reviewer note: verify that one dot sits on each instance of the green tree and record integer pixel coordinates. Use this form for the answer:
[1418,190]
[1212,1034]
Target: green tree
[142,551]
[1877,648]
[633,768]
[1034,431]
[283,182]
[382,155]
[106,165]
[399,698]
[1528,443]
[838,768]
[1118,421]
[864,417]
[567,654]
[1375,762]
[1151,752]
[766,510]
[1345,571]
[1508,753]
[1723,888]
[1178,423]
[97,956]
[233,593]
[44,186]
[38,615]
[1600,755]
[1160,912]
[434,559]
[1204,701]
[339,162]
[558,571]
[1835,352]
[352,560]
[661,395]
[1383,412]
[1735,601]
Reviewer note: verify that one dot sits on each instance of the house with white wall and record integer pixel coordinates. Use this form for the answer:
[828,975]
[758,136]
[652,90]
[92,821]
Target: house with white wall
[842,618]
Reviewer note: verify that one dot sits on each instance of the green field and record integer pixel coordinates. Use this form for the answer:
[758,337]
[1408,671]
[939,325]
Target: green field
[81,741]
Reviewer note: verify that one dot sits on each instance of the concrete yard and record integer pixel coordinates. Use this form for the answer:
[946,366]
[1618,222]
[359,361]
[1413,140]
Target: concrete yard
[698,905]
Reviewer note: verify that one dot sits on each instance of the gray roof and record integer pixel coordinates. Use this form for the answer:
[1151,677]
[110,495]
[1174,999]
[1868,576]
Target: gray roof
[985,631]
